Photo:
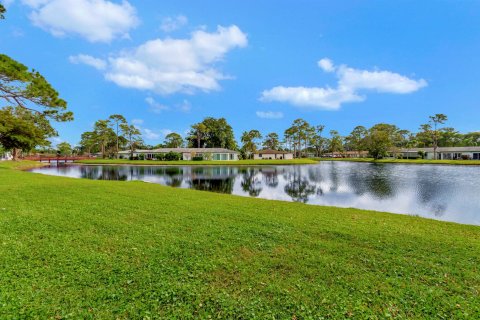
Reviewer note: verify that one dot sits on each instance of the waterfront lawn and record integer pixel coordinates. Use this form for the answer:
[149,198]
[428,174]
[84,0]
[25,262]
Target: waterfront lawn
[198,163]
[73,248]
[406,161]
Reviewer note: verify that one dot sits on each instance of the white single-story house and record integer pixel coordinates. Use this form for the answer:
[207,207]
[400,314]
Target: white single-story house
[5,156]
[187,153]
[272,154]
[443,153]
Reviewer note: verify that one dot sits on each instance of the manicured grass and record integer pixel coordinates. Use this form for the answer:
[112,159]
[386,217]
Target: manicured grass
[72,248]
[407,161]
[198,163]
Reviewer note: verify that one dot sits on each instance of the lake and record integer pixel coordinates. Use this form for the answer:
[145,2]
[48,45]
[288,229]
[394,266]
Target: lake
[450,193]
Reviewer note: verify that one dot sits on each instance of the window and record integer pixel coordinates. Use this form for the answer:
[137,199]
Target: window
[476,156]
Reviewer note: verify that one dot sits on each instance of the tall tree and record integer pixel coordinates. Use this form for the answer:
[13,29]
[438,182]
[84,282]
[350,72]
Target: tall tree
[271,141]
[173,140]
[432,129]
[249,140]
[115,120]
[64,148]
[103,134]
[132,135]
[214,133]
[317,141]
[355,141]
[21,129]
[198,133]
[299,133]
[379,140]
[29,97]
[335,143]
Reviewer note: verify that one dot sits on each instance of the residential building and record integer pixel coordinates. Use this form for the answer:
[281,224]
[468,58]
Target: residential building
[187,153]
[5,156]
[443,153]
[272,154]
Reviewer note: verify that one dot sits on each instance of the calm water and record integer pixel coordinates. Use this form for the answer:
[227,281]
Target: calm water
[449,193]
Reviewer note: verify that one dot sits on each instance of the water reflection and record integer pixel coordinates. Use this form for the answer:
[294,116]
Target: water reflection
[440,192]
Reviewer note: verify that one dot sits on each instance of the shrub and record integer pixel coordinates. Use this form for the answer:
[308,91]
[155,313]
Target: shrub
[173,156]
[160,157]
[197,158]
[141,157]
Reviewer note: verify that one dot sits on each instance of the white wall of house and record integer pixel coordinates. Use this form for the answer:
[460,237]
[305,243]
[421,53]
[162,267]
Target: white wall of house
[6,156]
[284,156]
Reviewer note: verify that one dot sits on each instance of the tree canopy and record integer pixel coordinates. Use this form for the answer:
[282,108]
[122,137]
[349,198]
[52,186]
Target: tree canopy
[212,133]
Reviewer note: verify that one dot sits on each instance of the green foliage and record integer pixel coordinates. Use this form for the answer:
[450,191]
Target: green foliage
[110,250]
[249,140]
[173,156]
[204,162]
[272,141]
[380,140]
[173,140]
[2,11]
[64,149]
[22,129]
[212,133]
[28,89]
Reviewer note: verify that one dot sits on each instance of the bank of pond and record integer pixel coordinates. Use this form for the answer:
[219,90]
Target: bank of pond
[447,193]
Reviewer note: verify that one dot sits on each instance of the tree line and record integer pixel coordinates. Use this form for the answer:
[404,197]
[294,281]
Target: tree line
[32,104]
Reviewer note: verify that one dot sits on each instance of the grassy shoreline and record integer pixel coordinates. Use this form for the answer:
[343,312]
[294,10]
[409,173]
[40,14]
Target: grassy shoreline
[196,163]
[406,161]
[78,248]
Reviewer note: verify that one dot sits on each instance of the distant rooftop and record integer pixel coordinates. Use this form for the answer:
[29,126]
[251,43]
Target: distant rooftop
[270,151]
[183,150]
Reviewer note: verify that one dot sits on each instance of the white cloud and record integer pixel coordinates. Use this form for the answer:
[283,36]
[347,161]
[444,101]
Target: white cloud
[381,81]
[185,106]
[168,66]
[166,132]
[326,65]
[94,20]
[170,24]
[137,122]
[269,114]
[150,134]
[155,107]
[98,64]
[350,83]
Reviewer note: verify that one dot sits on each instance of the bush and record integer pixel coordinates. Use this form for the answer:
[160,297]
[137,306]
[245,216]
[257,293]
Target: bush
[197,158]
[141,157]
[160,157]
[173,156]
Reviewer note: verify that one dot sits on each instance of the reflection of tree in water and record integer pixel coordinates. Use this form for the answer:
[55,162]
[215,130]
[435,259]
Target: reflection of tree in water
[250,182]
[102,173]
[218,185]
[334,176]
[173,177]
[378,182]
[271,177]
[298,187]
[431,191]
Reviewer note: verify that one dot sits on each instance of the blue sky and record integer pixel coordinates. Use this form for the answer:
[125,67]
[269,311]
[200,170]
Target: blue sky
[259,64]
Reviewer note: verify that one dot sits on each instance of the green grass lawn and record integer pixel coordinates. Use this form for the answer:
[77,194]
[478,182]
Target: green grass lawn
[198,163]
[72,248]
[407,161]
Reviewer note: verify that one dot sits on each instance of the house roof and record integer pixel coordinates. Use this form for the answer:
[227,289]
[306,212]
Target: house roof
[183,150]
[444,149]
[270,151]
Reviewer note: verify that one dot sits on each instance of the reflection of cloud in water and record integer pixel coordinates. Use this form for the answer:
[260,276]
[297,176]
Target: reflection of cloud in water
[441,192]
